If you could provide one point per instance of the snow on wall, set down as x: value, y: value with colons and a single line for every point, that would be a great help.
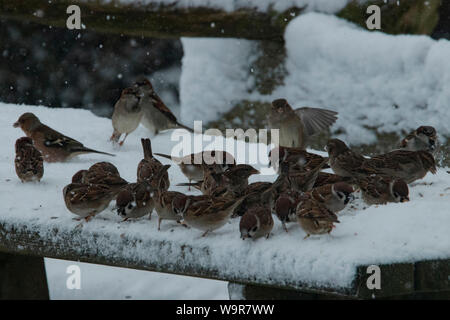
x: 393, y: 233
x: 372, y: 79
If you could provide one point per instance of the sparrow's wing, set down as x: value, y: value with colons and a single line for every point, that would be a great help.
x: 315, y: 119
x: 158, y: 104
x: 55, y: 139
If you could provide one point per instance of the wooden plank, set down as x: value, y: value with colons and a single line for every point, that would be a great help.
x: 159, y: 21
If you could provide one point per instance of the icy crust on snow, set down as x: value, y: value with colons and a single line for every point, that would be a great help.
x: 327, y: 6
x: 392, y: 83
x: 411, y: 231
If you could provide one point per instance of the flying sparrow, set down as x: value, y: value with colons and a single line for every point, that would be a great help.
x: 407, y: 165
x: 297, y: 158
x: 149, y: 167
x: 256, y: 222
x: 333, y: 196
x: 192, y: 165
x: 343, y: 161
x: 87, y: 200
x: 127, y: 115
x: 315, y: 218
x: 377, y: 189
x: 135, y: 200
x: 53, y: 145
x: 296, y: 126
x: 423, y: 138
x: 156, y: 116
x: 210, y: 213
x: 28, y: 162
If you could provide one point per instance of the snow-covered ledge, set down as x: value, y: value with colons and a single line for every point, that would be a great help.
x: 409, y: 241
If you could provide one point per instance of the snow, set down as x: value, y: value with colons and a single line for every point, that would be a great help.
x: 393, y: 233
x: 374, y: 80
x: 326, y: 6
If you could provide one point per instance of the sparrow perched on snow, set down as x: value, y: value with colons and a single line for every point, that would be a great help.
x: 381, y: 189
x: 101, y: 173
x: 135, y: 200
x: 333, y: 196
x: 407, y: 165
x: 156, y: 116
x: 170, y: 205
x: 28, y: 162
x: 343, y: 161
x: 127, y: 114
x: 53, y: 145
x: 255, y: 223
x: 298, y: 180
x: 87, y: 200
x: 297, y: 158
x: 192, y: 165
x: 210, y: 213
x: 296, y: 126
x: 256, y: 194
x: 423, y: 138
x: 325, y: 178
x: 286, y: 205
x: 315, y: 218
x: 149, y: 167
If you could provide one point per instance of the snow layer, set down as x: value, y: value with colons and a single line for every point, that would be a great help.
x: 393, y: 233
x: 327, y: 6
x: 392, y: 83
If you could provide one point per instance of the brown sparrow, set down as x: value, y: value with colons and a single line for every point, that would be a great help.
x: 315, y: 218
x: 210, y: 213
x: 407, y: 165
x: 297, y: 125
x: 286, y: 205
x: 53, y: 145
x: 28, y: 162
x: 333, y: 196
x: 101, y: 173
x: 343, y: 161
x: 135, y: 200
x: 298, y: 180
x: 149, y: 167
x: 297, y: 158
x: 192, y: 165
x: 236, y: 178
x: 170, y: 205
x: 325, y: 178
x: 87, y: 200
x: 423, y: 138
x: 127, y: 115
x: 377, y: 189
x: 256, y: 194
x: 256, y: 222
x: 156, y: 116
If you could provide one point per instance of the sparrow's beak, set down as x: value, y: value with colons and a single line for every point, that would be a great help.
x: 255, y: 172
x: 16, y: 124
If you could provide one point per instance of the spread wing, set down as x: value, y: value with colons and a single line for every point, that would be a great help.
x: 315, y: 119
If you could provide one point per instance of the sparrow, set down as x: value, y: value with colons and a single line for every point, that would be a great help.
x: 28, y: 162
x: 87, y: 200
x: 298, y: 180
x: 256, y: 194
x: 401, y: 164
x: 424, y: 138
x: 149, y: 167
x: 209, y: 213
x: 127, y: 115
x: 325, y: 178
x: 255, y: 223
x: 343, y: 161
x: 54, y: 145
x: 101, y: 173
x: 286, y: 205
x: 333, y: 196
x: 170, y: 205
x: 192, y: 165
x: 297, y: 158
x: 135, y: 201
x: 156, y: 116
x: 296, y: 126
x: 377, y: 189
x: 315, y: 218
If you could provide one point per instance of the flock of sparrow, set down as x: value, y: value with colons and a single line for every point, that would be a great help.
x: 302, y: 192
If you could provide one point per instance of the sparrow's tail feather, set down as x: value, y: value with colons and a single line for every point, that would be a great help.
x: 147, y: 147
x: 87, y: 150
x: 184, y: 127
x: 164, y: 155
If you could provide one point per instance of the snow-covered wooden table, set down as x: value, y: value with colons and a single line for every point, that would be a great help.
x: 410, y: 242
